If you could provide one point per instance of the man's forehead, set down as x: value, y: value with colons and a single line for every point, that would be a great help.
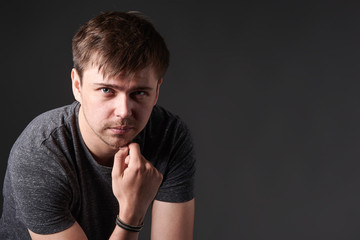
x: 113, y: 70
x: 108, y: 71
x: 144, y: 76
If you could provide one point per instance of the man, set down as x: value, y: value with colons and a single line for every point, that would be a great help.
x: 90, y: 170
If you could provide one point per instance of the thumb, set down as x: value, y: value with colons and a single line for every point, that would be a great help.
x: 119, y: 161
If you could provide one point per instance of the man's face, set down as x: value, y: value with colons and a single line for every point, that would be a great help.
x: 114, y: 110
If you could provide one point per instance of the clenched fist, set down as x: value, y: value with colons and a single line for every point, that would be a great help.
x: 135, y: 182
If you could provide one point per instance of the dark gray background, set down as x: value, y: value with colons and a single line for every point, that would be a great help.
x: 269, y: 89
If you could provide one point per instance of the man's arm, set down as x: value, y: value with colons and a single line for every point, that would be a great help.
x: 173, y: 221
x: 75, y: 232
x: 135, y: 183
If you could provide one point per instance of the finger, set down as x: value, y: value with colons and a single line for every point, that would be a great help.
x: 119, y: 160
x: 134, y: 154
x: 127, y: 159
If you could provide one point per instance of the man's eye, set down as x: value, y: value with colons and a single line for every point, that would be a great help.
x: 105, y: 90
x: 139, y: 93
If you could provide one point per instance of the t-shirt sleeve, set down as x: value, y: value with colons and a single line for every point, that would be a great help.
x: 178, y: 183
x: 42, y: 195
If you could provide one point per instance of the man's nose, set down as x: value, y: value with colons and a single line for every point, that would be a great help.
x: 123, y: 107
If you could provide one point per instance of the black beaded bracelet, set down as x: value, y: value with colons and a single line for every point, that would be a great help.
x: 128, y: 227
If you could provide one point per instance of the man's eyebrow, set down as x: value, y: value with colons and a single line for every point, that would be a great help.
x: 137, y: 88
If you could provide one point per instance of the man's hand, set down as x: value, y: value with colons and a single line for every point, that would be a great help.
x: 135, y: 182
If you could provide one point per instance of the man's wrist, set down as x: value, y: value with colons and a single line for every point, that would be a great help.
x: 130, y: 218
x: 128, y: 227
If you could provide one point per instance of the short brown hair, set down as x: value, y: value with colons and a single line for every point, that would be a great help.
x: 119, y: 42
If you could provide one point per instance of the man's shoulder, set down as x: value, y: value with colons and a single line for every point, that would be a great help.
x: 45, y: 124
x: 161, y: 114
x: 56, y: 116
x: 164, y: 127
x: 165, y: 121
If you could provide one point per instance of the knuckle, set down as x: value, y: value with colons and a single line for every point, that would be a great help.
x: 138, y: 168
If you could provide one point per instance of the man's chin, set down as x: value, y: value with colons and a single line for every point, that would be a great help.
x: 119, y: 143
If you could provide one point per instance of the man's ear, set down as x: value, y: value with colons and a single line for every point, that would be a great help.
x: 158, y: 90
x: 76, y: 84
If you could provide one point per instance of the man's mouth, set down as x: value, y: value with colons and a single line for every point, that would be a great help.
x: 120, y: 129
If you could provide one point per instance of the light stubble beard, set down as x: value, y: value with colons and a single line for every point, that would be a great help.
x: 107, y: 126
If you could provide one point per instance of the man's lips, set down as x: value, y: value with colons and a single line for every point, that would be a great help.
x: 120, y: 129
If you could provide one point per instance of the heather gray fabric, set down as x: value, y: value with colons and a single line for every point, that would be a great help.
x: 52, y: 180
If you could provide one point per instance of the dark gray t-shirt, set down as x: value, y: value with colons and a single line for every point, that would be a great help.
x: 52, y: 180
